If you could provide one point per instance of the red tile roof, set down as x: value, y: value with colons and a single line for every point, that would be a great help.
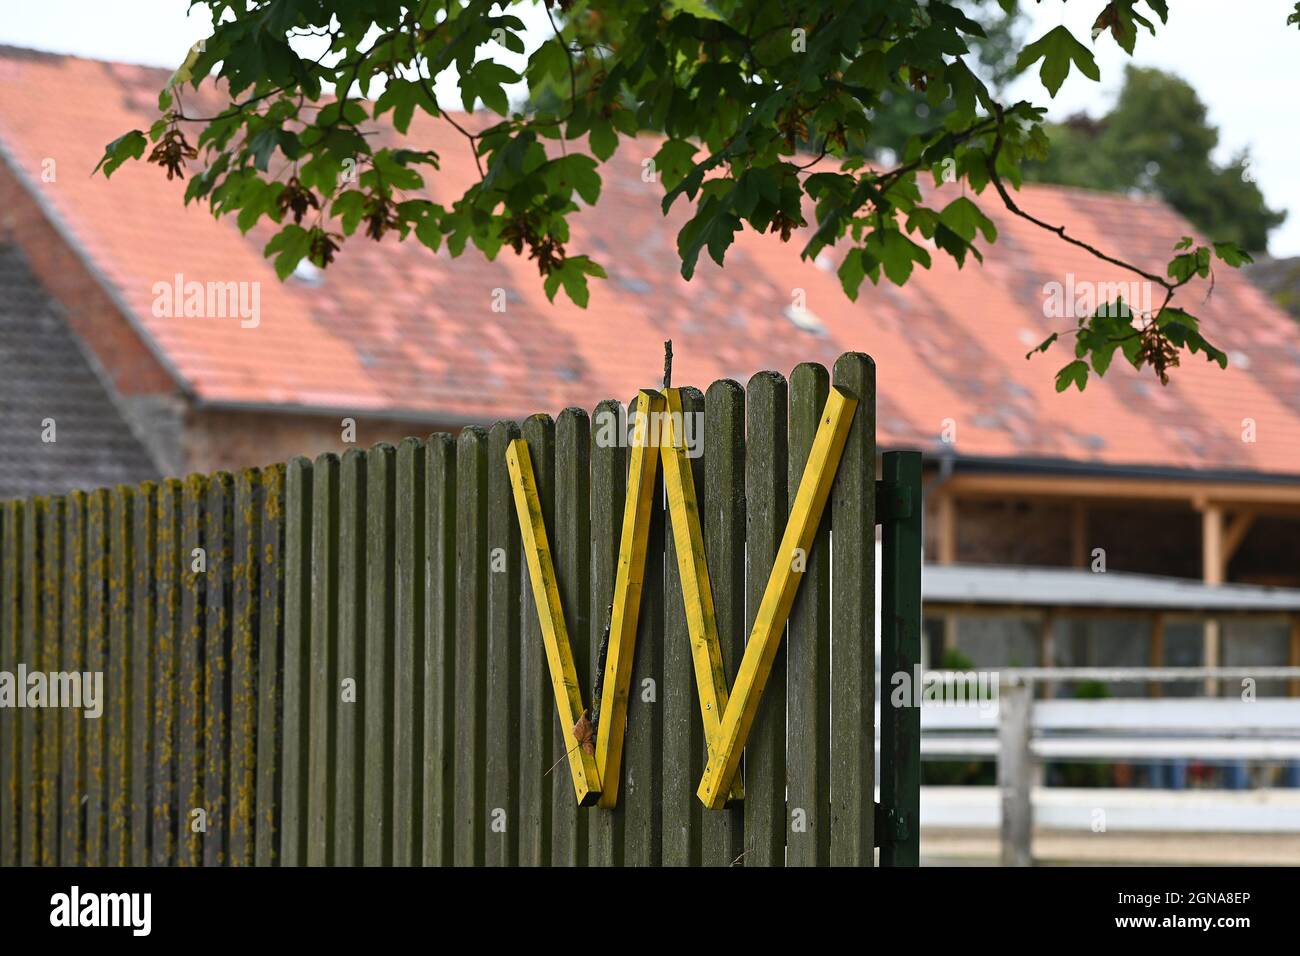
x: 397, y: 329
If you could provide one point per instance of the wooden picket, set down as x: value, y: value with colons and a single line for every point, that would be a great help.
x: 11, y: 560
x: 190, y: 810
x: 608, y: 489
x: 296, y: 745
x: 536, y: 706
x: 50, y: 718
x: 377, y: 693
x: 215, y: 733
x: 683, y: 739
x: 322, y: 689
x: 408, y: 657
x: 808, y: 651
x: 766, y: 442
x: 853, y: 609
x: 118, y: 675
x: 72, y: 772
x: 30, y: 752
x: 439, y: 660
x: 242, y: 674
x: 722, y: 831
x: 469, y: 815
x: 161, y: 727
x: 349, y: 729
x: 571, y: 542
x: 147, y: 640
x: 501, y: 700
x: 340, y: 662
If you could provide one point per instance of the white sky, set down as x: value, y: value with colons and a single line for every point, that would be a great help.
x: 1241, y: 57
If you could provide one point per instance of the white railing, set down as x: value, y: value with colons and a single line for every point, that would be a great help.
x: 1020, y: 732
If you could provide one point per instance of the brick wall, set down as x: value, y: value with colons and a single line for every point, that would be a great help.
x: 218, y: 439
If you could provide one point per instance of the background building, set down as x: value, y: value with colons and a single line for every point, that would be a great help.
x: 1197, y: 480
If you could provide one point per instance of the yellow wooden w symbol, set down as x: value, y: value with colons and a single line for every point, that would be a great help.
x: 727, y: 718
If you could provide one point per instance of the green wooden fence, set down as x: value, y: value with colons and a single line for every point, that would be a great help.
x: 355, y: 674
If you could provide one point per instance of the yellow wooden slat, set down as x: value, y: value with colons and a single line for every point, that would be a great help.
x: 693, y: 569
x: 628, y: 582
x: 555, y: 636
x: 778, y: 597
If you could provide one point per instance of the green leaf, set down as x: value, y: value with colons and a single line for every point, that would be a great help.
x: 964, y: 218
x: 1195, y: 263
x: 348, y: 208
x: 1161, y: 7
x: 1044, y: 345
x: 603, y: 140
x: 549, y: 61
x: 896, y: 253
x: 851, y: 273
x: 1232, y: 254
x: 349, y: 111
x: 574, y: 172
x: 485, y: 82
x: 1057, y: 49
x: 290, y: 245
x: 127, y: 146
x: 1102, y: 353
x: 714, y: 226
x: 673, y: 161
x: 1183, y: 330
x: 262, y: 145
x: 1076, y: 373
x: 572, y: 275
x: 400, y: 96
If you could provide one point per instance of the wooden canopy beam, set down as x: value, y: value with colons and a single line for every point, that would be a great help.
x: 1257, y: 496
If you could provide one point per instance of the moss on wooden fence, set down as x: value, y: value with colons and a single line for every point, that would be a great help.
x: 339, y: 662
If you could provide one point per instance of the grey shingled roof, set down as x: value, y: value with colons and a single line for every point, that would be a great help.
x: 1000, y: 586
x: 1280, y: 278
x: 44, y: 374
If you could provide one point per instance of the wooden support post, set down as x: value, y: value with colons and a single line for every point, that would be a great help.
x: 1015, y: 777
x: 1212, y: 572
x: 1079, y: 536
x: 947, y: 531
x: 947, y: 535
x: 1156, y: 653
x: 1047, y: 649
x: 1294, y: 657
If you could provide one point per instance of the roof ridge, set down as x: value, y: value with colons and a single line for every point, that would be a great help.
x: 14, y: 52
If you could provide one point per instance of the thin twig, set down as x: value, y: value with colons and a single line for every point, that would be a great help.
x: 562, y: 759
x: 1060, y: 230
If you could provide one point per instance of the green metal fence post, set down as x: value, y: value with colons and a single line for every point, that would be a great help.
x: 898, y: 504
